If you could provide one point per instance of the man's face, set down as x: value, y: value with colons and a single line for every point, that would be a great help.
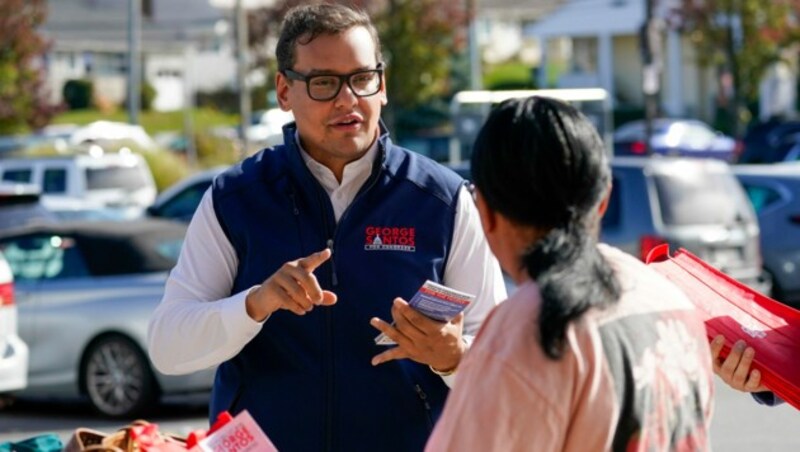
x: 340, y: 130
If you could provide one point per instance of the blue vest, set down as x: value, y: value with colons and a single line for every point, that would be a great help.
x: 307, y: 380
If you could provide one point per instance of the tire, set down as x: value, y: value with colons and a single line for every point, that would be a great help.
x: 117, y: 378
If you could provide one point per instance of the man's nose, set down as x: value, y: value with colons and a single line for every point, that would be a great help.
x: 346, y: 96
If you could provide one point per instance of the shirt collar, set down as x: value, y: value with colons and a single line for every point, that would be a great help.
x: 357, y: 170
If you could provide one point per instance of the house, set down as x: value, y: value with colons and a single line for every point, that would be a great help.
x: 185, y: 45
x: 596, y: 43
x: 501, y: 25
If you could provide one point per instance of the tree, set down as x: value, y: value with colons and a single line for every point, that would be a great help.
x: 741, y: 38
x: 23, y: 96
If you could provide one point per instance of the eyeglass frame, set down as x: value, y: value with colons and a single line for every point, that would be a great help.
x: 343, y: 79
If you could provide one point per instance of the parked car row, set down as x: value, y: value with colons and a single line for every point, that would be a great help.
x: 696, y: 204
x: 84, y: 292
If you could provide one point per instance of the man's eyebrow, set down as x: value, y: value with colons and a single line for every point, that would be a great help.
x: 332, y: 72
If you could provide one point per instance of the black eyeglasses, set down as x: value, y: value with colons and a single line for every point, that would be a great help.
x: 324, y: 87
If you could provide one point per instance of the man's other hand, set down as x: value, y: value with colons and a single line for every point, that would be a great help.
x: 422, y: 339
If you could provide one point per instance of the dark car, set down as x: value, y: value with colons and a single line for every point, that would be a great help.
x: 771, y: 141
x: 696, y: 204
x: 179, y: 201
x: 85, y: 292
x: 675, y: 137
x: 774, y: 191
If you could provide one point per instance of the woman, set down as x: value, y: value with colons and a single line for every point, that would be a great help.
x: 594, y: 351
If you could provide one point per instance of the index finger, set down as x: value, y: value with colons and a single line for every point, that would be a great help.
x: 310, y: 263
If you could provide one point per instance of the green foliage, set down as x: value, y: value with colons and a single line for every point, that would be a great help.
x: 214, y: 150
x: 167, y: 167
x: 152, y: 121
x: 766, y: 28
x: 148, y: 94
x: 23, y: 95
x: 509, y: 75
x: 78, y: 94
x: 419, y: 40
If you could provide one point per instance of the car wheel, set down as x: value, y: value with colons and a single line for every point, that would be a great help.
x: 117, y: 377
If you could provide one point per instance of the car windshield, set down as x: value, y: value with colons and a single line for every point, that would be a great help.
x: 115, y: 177
x: 691, y: 198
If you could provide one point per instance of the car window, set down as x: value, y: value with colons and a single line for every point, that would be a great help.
x: 54, y: 180
x: 700, y: 198
x: 43, y: 257
x: 760, y: 197
x: 184, y: 204
x: 18, y: 175
x: 115, y: 177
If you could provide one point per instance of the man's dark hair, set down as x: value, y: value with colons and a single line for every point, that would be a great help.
x: 540, y: 163
x: 305, y: 23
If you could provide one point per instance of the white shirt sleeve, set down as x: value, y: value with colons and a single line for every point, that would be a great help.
x: 472, y: 268
x: 198, y: 324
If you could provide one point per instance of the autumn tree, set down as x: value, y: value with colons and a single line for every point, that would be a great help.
x: 741, y: 38
x: 23, y: 97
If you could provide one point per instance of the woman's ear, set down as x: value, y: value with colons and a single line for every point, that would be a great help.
x: 601, y: 209
x: 488, y: 216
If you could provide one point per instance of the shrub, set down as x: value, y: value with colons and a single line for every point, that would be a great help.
x: 78, y: 93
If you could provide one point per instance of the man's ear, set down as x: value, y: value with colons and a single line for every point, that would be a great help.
x: 282, y: 91
x: 384, y: 97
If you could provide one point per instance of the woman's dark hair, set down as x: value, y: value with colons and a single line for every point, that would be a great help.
x: 540, y: 163
x: 305, y: 23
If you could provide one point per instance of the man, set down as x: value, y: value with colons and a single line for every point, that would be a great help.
x: 296, y: 251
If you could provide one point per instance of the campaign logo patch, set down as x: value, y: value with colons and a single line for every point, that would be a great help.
x: 390, y: 238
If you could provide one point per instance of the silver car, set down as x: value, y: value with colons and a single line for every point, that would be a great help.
x: 13, y: 351
x: 695, y: 204
x: 85, y: 292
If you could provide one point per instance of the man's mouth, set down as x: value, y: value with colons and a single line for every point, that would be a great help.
x: 349, y: 122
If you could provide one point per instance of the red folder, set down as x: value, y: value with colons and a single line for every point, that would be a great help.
x: 730, y: 308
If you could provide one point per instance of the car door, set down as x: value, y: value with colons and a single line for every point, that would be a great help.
x: 49, y: 271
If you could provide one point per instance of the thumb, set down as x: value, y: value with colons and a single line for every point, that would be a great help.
x: 458, y: 319
x: 310, y: 263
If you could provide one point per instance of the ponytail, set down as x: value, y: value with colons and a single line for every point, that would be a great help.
x: 572, y: 277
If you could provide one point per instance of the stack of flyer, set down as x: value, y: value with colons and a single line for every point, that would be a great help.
x: 435, y: 301
x: 734, y: 310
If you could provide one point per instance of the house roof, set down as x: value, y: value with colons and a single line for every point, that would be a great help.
x: 103, y: 24
x: 590, y: 18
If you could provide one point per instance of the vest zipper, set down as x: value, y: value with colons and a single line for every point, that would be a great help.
x: 424, y: 397
x: 334, y: 278
x: 295, y: 210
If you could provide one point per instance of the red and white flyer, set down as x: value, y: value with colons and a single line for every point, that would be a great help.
x: 241, y: 434
x: 435, y: 301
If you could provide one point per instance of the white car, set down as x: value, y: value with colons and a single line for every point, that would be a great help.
x: 13, y: 352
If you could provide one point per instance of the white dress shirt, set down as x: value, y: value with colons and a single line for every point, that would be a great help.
x: 198, y: 324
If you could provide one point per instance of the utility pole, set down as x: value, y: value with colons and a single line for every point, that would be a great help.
x: 241, y: 75
x: 652, y: 62
x: 134, y: 59
x: 475, y: 73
